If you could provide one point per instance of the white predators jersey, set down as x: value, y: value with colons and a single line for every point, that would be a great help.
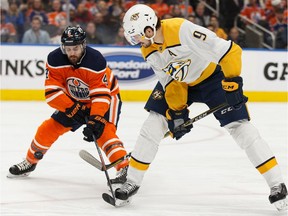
x: 189, y: 54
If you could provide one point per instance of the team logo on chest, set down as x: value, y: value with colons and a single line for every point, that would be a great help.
x: 77, y: 88
x: 178, y: 69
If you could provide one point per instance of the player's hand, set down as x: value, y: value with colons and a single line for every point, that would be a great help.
x: 95, y: 126
x: 78, y: 112
x: 177, y: 118
x: 234, y: 93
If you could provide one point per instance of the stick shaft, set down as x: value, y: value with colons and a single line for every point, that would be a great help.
x: 200, y: 116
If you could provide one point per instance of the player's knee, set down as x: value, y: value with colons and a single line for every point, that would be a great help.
x: 154, y: 128
x: 151, y: 133
x: 50, y: 130
x: 243, y: 132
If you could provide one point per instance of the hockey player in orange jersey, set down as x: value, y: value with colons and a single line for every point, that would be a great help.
x: 78, y: 85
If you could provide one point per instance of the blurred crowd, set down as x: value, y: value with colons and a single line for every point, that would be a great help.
x: 43, y: 21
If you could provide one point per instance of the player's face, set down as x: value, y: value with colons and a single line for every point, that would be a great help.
x: 74, y: 53
x: 146, y: 41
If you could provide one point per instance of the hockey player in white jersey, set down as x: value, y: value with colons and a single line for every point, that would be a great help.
x: 192, y: 65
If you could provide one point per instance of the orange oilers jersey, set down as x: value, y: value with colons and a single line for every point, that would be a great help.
x: 90, y: 82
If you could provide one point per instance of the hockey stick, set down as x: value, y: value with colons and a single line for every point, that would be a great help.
x: 97, y: 164
x: 198, y: 117
x: 103, y: 164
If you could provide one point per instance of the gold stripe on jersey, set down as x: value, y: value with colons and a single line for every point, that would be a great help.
x: 267, y: 165
x: 231, y: 63
x: 138, y: 165
x: 176, y: 94
x: 209, y: 70
x: 171, y: 35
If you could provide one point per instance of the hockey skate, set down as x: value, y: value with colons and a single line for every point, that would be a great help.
x: 22, y: 169
x: 278, y: 197
x: 120, y: 178
x: 126, y: 191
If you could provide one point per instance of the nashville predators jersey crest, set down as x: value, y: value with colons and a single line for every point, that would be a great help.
x: 178, y: 70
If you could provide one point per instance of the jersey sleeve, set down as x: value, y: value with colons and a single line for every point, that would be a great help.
x: 203, y: 41
x: 225, y: 53
x: 231, y: 63
x: 100, y: 91
x: 55, y: 92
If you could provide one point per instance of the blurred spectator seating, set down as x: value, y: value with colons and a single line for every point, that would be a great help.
x: 82, y: 15
x: 254, y: 37
x: 200, y: 17
x: 55, y: 35
x: 15, y: 15
x: 237, y: 37
x: 120, y: 38
x: 218, y: 30
x: 7, y: 29
x: 37, y: 9
x: 92, y: 36
x: 160, y: 7
x: 182, y: 7
x: 57, y: 14
x: 253, y: 11
x: 229, y: 10
x: 35, y: 35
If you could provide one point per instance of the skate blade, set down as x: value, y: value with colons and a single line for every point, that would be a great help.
x: 121, y: 203
x: 11, y: 176
x: 281, y: 205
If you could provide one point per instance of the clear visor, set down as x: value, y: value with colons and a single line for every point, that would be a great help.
x: 135, y: 39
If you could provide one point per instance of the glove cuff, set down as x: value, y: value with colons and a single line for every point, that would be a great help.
x: 98, y: 118
x: 232, y: 84
x: 177, y: 114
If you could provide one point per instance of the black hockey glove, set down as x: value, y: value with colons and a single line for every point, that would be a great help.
x: 95, y: 125
x: 234, y: 93
x: 78, y: 112
x: 177, y: 118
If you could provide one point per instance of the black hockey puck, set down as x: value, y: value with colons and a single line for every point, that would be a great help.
x: 38, y: 155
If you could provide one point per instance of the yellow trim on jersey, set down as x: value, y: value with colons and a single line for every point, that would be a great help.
x: 267, y: 166
x: 171, y: 37
x: 138, y: 165
x: 231, y: 63
x: 209, y: 70
x: 176, y: 94
x: 171, y: 31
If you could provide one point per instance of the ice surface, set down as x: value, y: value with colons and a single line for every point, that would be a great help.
x: 203, y: 174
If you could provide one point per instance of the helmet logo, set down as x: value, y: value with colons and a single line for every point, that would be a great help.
x: 80, y: 29
x: 134, y: 17
x: 69, y: 34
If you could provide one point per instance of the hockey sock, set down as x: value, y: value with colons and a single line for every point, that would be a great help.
x: 47, y: 133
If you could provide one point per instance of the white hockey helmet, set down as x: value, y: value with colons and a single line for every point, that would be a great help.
x: 136, y: 19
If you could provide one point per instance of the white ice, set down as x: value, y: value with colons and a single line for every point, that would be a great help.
x: 203, y: 174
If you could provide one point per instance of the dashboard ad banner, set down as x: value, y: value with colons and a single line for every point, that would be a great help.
x: 23, y: 67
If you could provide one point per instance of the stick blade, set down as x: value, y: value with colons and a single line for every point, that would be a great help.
x: 109, y: 199
x: 115, y: 202
x: 86, y: 156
